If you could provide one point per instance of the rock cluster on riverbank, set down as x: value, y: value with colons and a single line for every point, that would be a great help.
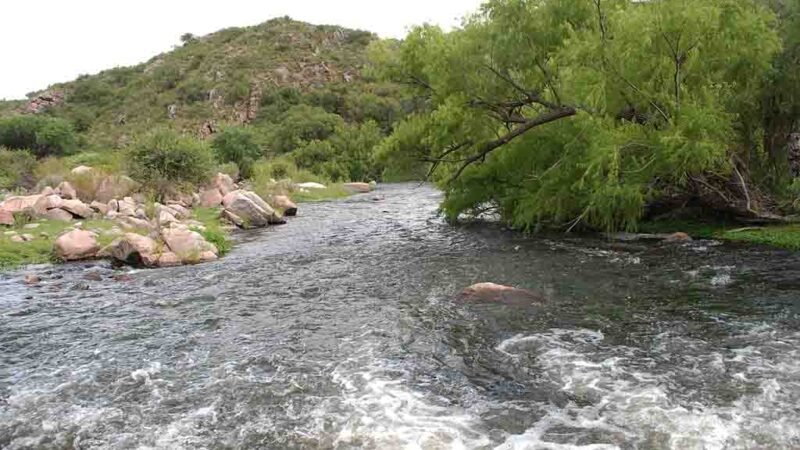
x: 141, y: 233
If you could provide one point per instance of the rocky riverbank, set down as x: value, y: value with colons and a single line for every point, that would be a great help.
x: 57, y: 224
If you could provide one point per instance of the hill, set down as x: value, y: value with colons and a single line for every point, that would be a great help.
x: 249, y: 75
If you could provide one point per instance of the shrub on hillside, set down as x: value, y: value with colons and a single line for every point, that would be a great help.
x: 165, y: 161
x: 16, y: 169
x: 302, y: 124
x: 43, y: 136
x: 237, y: 145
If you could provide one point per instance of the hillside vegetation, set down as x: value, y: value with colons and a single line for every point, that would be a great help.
x: 567, y: 114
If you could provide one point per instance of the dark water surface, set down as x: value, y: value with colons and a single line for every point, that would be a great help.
x: 338, y: 331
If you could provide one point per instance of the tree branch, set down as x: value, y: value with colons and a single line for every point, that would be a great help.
x: 485, y: 149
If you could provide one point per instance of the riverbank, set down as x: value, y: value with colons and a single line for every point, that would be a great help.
x: 32, y: 239
x: 779, y: 236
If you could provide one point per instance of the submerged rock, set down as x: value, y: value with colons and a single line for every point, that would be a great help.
x: 6, y: 217
x: 497, y: 293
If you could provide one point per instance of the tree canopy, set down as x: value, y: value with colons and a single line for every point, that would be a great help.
x: 568, y: 112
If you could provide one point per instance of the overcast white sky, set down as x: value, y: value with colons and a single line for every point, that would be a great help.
x: 48, y: 41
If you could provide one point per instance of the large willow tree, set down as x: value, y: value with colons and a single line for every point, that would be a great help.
x: 568, y: 112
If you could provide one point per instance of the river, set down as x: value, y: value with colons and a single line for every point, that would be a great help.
x: 338, y: 330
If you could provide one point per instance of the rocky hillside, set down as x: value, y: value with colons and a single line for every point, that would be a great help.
x: 234, y: 76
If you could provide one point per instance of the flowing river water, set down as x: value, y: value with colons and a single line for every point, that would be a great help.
x: 339, y: 330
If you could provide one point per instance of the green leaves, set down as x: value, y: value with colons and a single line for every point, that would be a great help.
x: 663, y: 89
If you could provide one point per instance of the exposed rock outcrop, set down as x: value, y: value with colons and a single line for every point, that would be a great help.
x: 44, y: 101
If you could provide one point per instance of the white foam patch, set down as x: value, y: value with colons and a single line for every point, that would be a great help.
x: 383, y: 412
x: 621, y: 399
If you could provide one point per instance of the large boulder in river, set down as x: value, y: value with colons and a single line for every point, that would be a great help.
x: 497, y: 293
x: 358, y: 187
x: 76, y: 245
x: 251, y: 209
x: 284, y: 204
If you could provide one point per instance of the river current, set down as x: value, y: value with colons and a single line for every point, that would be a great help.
x: 338, y: 331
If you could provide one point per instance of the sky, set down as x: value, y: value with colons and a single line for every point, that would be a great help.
x: 48, y: 41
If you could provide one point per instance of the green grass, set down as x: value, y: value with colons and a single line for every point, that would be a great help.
x: 40, y: 249
x: 780, y: 236
x: 213, y: 233
x: 783, y: 236
x: 331, y: 192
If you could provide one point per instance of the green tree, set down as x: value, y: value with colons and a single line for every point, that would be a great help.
x: 568, y: 112
x: 237, y: 145
x: 43, y: 136
x: 166, y: 161
x: 302, y: 124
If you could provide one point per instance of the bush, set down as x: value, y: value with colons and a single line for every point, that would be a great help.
x: 165, y: 161
x: 43, y: 136
x: 237, y: 145
x: 16, y: 169
x: 302, y: 124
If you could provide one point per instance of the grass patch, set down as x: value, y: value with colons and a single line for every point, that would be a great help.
x: 331, y: 192
x: 213, y: 233
x: 40, y: 249
x: 781, y: 236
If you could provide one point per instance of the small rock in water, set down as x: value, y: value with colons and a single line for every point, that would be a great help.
x: 497, y: 293
x: 678, y: 237
x: 121, y: 277
x: 93, y: 276
x: 31, y: 278
x: 80, y: 286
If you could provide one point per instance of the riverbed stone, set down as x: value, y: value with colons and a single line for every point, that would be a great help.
x: 285, y: 204
x: 224, y: 183
x: 134, y: 249
x: 250, y: 209
x: 76, y: 245
x: 48, y: 202
x: 358, y: 187
x: 188, y: 245
x: 99, y: 207
x: 497, y: 293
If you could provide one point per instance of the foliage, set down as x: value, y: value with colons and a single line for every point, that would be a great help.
x: 164, y: 159
x: 16, y: 169
x: 213, y: 232
x: 301, y: 124
x: 237, y: 145
x: 43, y: 136
x: 574, y: 112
